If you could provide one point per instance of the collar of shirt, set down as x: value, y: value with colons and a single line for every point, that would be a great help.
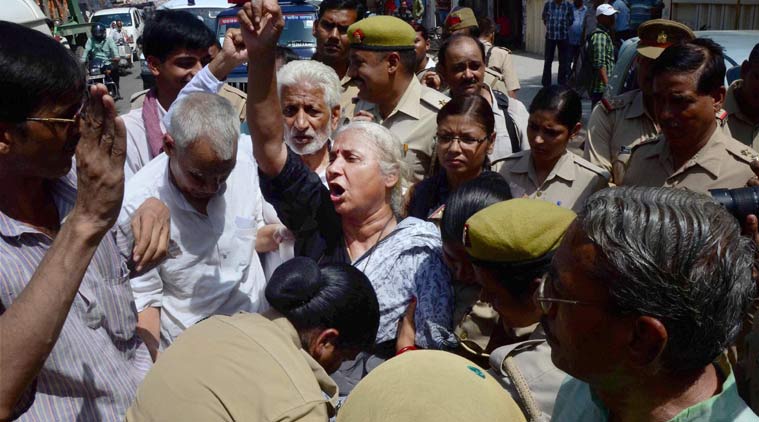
x: 563, y: 169
x: 637, y: 107
x: 707, y: 157
x: 63, y: 192
x: 326, y: 383
x: 409, y: 104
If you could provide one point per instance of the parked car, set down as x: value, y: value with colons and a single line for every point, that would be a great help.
x: 737, y: 45
x: 130, y: 17
x: 205, y: 10
x: 297, y: 35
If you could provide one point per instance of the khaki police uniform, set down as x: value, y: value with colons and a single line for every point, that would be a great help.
x: 526, y: 371
x: 414, y: 121
x: 619, y: 122
x: 348, y: 96
x: 739, y: 126
x: 568, y: 185
x: 722, y: 163
x: 240, y: 367
x: 234, y: 95
x: 495, y: 81
x: 500, y: 60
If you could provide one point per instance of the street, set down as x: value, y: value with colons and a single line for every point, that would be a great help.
x: 130, y: 84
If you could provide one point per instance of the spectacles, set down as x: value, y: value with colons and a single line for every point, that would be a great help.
x: 466, y: 140
x: 75, y: 118
x: 546, y: 302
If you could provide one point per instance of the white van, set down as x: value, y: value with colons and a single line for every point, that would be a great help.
x: 24, y: 12
x: 132, y: 20
x: 205, y: 10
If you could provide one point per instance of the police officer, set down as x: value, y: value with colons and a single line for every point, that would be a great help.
x: 548, y: 171
x: 692, y: 152
x: 500, y: 73
x: 511, y: 260
x: 618, y: 123
x: 382, y: 63
x: 742, y: 102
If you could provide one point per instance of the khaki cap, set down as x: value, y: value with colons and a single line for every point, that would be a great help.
x: 658, y: 34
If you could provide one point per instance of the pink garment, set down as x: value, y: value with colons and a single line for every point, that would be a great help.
x: 153, y: 131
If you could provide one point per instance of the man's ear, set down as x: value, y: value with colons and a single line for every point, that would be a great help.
x: 393, y: 62
x: 6, y: 137
x: 313, y: 27
x: 154, y: 64
x: 169, y: 146
x: 334, y: 118
x: 718, y: 95
x: 647, y: 342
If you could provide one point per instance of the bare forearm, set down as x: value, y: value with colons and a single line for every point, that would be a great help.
x: 149, y: 329
x: 604, y: 76
x: 264, y: 115
x: 32, y: 323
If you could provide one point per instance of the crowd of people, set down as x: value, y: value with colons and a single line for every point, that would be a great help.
x: 287, y: 253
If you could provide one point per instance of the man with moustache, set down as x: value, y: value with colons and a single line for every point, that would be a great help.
x: 382, y: 64
x: 461, y: 63
x: 692, y: 152
x: 618, y: 123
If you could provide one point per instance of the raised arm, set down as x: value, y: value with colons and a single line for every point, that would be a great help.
x: 30, y: 326
x: 261, y: 23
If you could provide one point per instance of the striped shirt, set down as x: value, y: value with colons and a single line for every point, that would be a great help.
x: 94, y: 369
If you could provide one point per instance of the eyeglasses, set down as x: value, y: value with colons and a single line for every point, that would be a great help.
x: 546, y: 302
x: 75, y: 118
x: 466, y: 140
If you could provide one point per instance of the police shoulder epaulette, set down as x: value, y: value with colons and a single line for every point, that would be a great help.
x: 511, y: 157
x: 591, y: 167
x: 433, y: 98
x: 494, y: 73
x: 613, y: 103
x: 644, y: 143
x: 234, y: 91
x: 741, y: 151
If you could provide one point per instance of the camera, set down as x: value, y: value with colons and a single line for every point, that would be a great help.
x: 739, y: 202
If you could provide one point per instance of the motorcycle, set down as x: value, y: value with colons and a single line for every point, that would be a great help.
x: 125, y: 55
x: 99, y: 72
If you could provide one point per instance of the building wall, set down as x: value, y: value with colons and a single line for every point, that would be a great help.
x: 534, y: 30
x: 714, y: 14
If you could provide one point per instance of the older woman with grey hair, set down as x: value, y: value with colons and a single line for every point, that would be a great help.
x: 355, y: 218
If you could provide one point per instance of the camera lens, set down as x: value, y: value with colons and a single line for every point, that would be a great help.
x: 739, y: 202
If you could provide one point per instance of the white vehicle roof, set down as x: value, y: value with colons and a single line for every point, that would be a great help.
x: 113, y: 11
x: 24, y: 12
x: 183, y: 4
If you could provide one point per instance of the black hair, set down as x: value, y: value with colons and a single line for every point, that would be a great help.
x: 421, y: 29
x: 35, y: 70
x: 479, y: 193
x: 517, y: 277
x: 453, y: 39
x: 473, y: 106
x: 335, y: 296
x: 563, y: 101
x: 171, y: 30
x: 406, y: 57
x: 753, y: 58
x: 357, y: 5
x: 486, y: 25
x: 701, y: 55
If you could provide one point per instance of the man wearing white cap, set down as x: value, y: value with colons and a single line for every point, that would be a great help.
x: 601, y: 51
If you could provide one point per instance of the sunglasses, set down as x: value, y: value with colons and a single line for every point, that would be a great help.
x: 74, y: 119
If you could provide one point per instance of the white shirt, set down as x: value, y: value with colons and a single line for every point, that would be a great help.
x: 218, y: 270
x: 138, y: 151
x: 520, y: 115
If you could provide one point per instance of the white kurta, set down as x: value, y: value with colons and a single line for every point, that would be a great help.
x: 217, y: 270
